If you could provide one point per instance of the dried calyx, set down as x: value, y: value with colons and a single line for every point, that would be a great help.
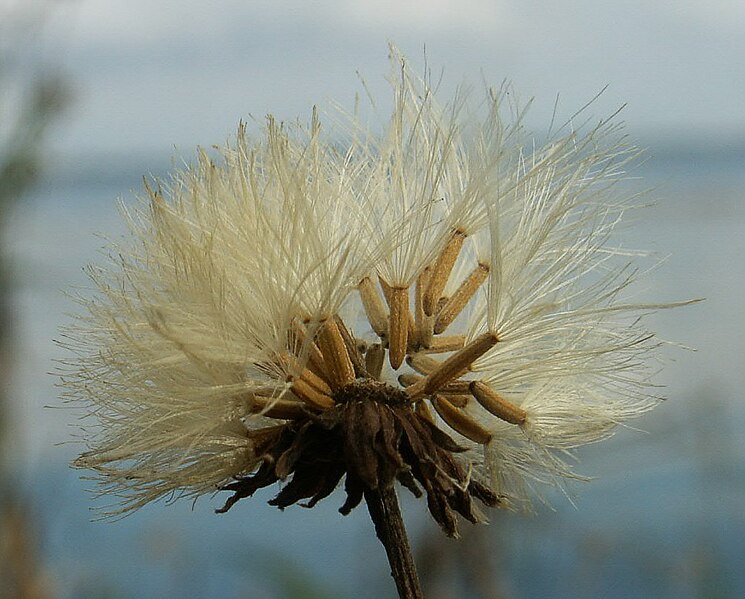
x: 373, y: 436
x: 341, y: 421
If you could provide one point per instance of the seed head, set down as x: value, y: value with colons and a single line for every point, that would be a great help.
x: 442, y: 304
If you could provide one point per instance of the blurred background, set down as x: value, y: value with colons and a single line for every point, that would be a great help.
x: 95, y: 94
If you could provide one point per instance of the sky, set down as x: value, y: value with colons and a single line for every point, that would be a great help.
x: 147, y: 76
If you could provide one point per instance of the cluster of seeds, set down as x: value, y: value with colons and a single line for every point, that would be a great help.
x: 443, y: 304
x: 343, y: 418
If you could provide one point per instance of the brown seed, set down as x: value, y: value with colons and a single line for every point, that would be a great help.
x: 496, y: 404
x: 299, y: 342
x: 443, y: 344
x: 311, y: 396
x: 423, y: 410
x: 398, y: 326
x: 408, y: 379
x: 338, y: 363
x: 423, y: 324
x: 353, y: 348
x: 375, y: 310
x: 281, y: 409
x: 454, y: 306
x: 315, y: 381
x: 294, y: 369
x: 422, y: 363
x: 459, y: 421
x: 459, y: 401
x: 456, y: 365
x: 374, y: 359
x: 441, y: 270
x: 458, y: 387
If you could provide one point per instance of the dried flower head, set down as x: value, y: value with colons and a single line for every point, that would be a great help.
x: 440, y: 304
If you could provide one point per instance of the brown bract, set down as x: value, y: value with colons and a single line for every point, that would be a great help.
x: 373, y: 437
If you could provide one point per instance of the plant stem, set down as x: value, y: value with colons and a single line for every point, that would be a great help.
x: 382, y: 504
